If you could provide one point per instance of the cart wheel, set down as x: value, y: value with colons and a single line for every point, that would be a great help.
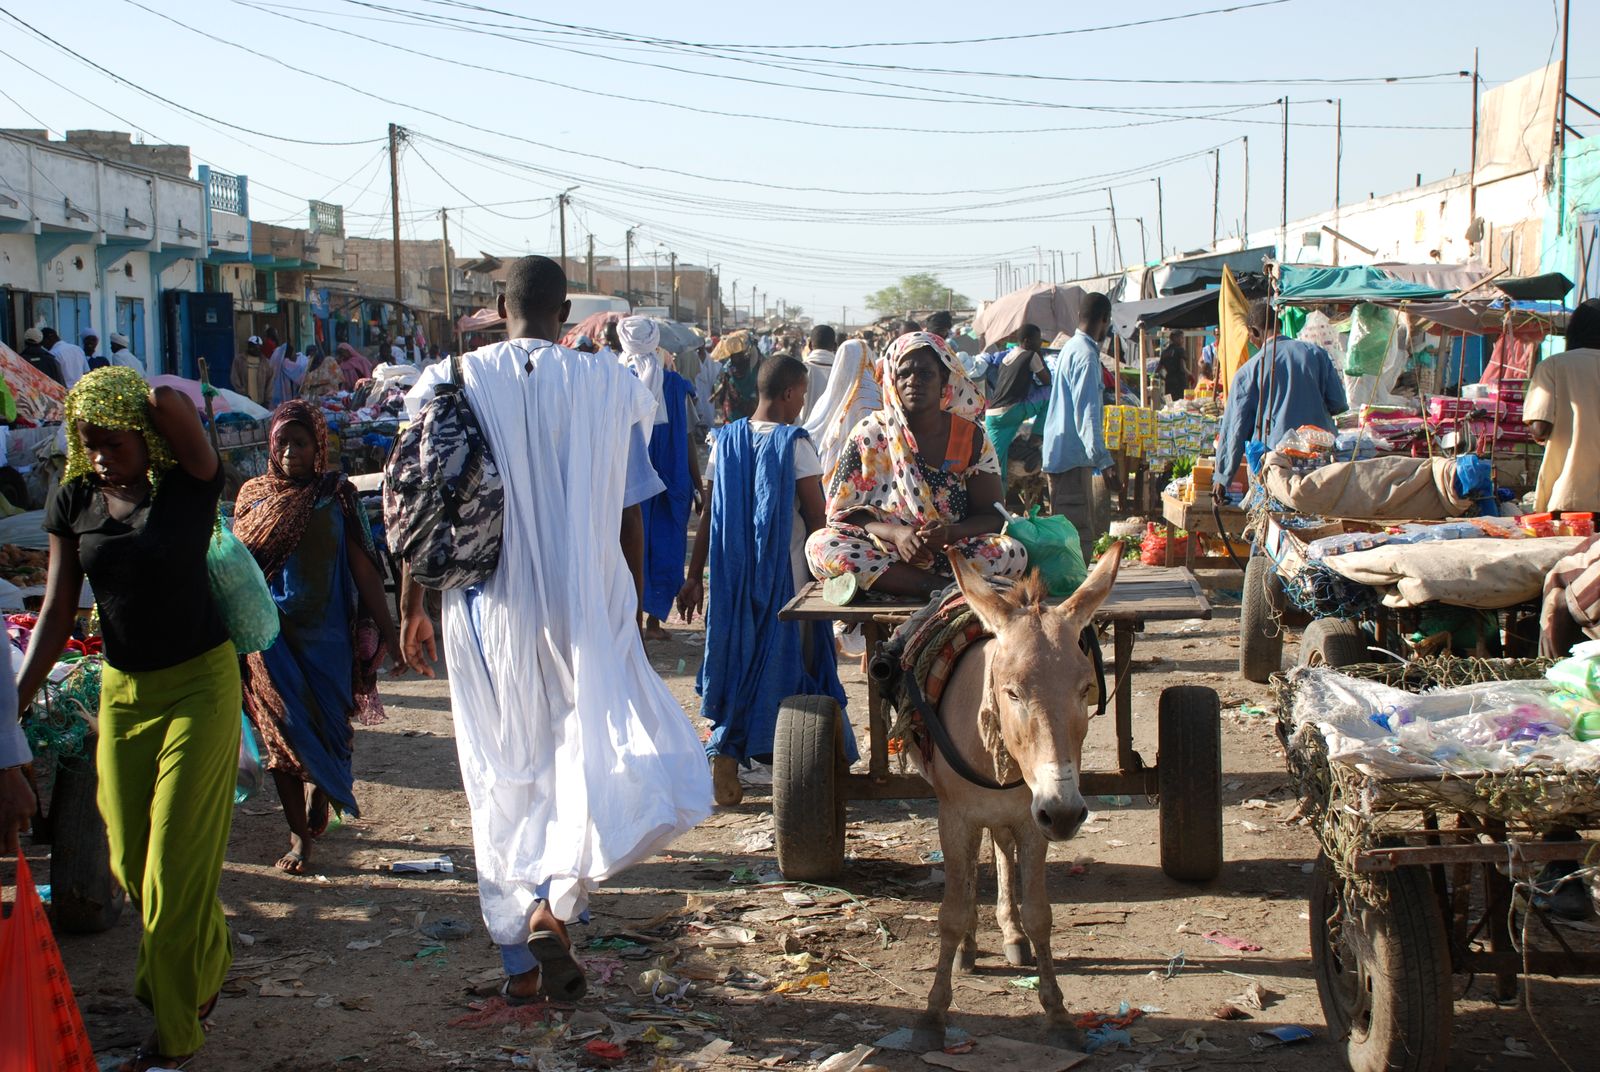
x: 1260, y: 632
x: 1334, y: 642
x: 84, y: 898
x: 1383, y: 973
x: 1189, y: 775
x: 807, y: 804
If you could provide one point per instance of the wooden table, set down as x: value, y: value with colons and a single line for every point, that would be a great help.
x: 1197, y: 517
x: 1140, y: 595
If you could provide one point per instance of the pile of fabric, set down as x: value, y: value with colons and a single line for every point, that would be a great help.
x: 40, y: 400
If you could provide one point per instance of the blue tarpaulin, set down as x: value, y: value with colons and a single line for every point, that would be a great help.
x: 1300, y: 283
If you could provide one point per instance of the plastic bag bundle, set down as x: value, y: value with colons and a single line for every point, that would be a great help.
x: 1371, y: 327
x: 43, y: 1030
x: 241, y: 592
x: 1053, y: 550
x: 252, y: 775
x: 1153, y: 548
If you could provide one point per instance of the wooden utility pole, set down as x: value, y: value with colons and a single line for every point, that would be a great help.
x: 1561, y: 124
x: 1144, y: 243
x: 1094, y: 239
x: 449, y: 300
x: 591, y: 264
x: 1338, y: 166
x: 628, y: 253
x: 1116, y: 235
x: 1283, y: 225
x: 561, y: 205
x: 1244, y: 224
x: 1216, y: 192
x: 672, y: 282
x: 1472, y: 169
x: 1161, y: 224
x: 395, y: 134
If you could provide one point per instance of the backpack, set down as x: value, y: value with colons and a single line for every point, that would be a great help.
x: 443, y: 501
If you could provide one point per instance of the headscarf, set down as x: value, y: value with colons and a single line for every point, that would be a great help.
x: 892, y: 486
x: 640, y: 337
x: 353, y: 364
x: 116, y: 398
x: 852, y: 392
x: 272, y: 510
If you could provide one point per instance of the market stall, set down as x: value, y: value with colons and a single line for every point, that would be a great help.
x: 1439, y: 791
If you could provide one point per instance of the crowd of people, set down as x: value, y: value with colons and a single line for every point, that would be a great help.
x: 871, y: 462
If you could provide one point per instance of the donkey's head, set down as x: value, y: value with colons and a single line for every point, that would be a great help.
x: 1042, y: 684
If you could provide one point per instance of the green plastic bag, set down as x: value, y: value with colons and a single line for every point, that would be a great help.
x: 240, y: 592
x: 1053, y: 550
x: 1371, y: 330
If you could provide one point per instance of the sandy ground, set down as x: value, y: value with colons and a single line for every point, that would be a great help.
x: 337, y: 970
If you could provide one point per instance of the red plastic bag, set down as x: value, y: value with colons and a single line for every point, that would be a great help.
x: 43, y: 1029
x: 1153, y: 548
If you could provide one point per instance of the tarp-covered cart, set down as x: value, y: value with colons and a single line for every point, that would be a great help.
x: 1439, y: 814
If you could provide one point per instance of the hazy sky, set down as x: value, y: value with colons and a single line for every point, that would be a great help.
x: 815, y: 173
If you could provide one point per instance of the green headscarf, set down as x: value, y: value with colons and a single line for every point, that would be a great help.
x: 116, y: 398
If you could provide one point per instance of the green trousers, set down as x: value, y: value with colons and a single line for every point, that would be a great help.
x: 1003, y: 428
x: 168, y: 758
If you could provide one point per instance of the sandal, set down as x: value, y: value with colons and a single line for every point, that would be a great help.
x: 560, y: 976
x: 538, y: 997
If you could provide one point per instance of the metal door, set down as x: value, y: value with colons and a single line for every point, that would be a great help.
x: 130, y: 322
x: 72, y: 309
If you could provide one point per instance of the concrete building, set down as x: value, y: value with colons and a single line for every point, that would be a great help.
x: 93, y: 230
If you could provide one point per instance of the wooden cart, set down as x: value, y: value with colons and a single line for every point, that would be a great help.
x: 812, y: 784
x: 1431, y: 894
x: 1197, y: 518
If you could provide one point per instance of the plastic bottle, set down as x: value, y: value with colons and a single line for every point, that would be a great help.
x: 1586, y: 727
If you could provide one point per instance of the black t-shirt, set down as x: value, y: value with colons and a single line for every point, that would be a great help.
x: 148, y: 572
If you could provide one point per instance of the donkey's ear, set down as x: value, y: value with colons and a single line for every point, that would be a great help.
x: 992, y: 608
x: 1094, y: 590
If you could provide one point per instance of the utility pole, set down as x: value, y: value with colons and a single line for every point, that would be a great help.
x: 1144, y: 245
x: 1244, y: 224
x: 1216, y: 192
x: 1283, y: 226
x: 1472, y: 170
x: 1338, y: 166
x: 1094, y: 239
x: 1116, y: 235
x: 1561, y: 124
x: 591, y: 263
x: 672, y: 282
x: 561, y: 203
x: 735, y: 293
x: 395, y: 135
x: 627, y: 242
x: 1161, y: 224
x: 1074, y: 263
x: 449, y: 301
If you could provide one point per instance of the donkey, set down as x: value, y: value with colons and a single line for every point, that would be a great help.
x: 1016, y: 705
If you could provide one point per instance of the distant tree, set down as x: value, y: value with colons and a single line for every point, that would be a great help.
x: 920, y: 291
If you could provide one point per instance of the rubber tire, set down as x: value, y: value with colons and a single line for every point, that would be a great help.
x: 1334, y: 642
x: 1260, y: 631
x: 1189, y: 776
x: 807, y: 802
x: 1408, y: 986
x: 84, y: 898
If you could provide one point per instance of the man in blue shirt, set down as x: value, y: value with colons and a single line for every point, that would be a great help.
x: 1074, y: 430
x: 1287, y: 384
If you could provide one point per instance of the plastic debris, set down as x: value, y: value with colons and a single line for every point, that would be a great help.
x: 1228, y: 941
x: 1515, y: 1047
x: 815, y: 981
x: 1118, y: 801
x: 1255, y: 996
x: 1287, y: 1035
x: 847, y: 1062
x: 1106, y: 1038
x: 1226, y: 1011
x: 447, y: 930
x: 1026, y: 982
x: 440, y: 863
x: 902, y: 1038
x: 1194, y: 1041
x: 994, y: 1053
x: 606, y: 1051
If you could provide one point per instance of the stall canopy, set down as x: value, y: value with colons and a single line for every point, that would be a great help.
x: 1051, y: 307
x: 1198, y: 273
x: 1197, y: 310
x: 1301, y: 283
x: 485, y: 319
x: 1552, y: 286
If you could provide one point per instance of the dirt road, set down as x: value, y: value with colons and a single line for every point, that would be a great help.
x: 348, y: 967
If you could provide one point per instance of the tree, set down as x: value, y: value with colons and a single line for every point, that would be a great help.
x: 920, y: 291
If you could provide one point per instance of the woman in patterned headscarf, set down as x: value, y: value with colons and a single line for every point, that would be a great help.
x: 135, y: 513
x: 916, y: 479
x: 311, y: 538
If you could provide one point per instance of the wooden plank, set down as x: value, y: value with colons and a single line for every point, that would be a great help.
x: 1387, y: 859
x: 1197, y: 517
x: 1143, y: 594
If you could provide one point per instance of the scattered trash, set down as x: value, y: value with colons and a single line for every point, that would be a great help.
x: 724, y: 937
x: 440, y: 863
x: 1026, y: 982
x: 1515, y: 1047
x: 606, y: 1051
x: 755, y: 841
x: 1255, y: 996
x: 994, y: 1053
x: 1252, y: 828
x: 799, y: 899
x: 1106, y: 1038
x: 901, y: 1038
x: 933, y: 856
x: 749, y: 875
x: 362, y: 944
x: 1125, y: 1015
x: 711, y: 1051
x: 662, y: 987
x: 847, y: 1062
x: 1118, y: 801
x: 1256, y: 804
x: 1229, y: 1012
x: 1228, y: 941
x: 815, y: 981
x: 1287, y: 1035
x: 446, y: 930
x: 602, y: 970
x: 612, y: 944
x: 1194, y: 1041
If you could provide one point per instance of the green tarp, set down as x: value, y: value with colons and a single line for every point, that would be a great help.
x: 1305, y: 283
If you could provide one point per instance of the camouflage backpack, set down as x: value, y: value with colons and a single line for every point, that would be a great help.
x: 443, y: 503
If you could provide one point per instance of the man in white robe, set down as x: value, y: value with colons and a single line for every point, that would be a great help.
x: 819, y: 366
x: 577, y: 761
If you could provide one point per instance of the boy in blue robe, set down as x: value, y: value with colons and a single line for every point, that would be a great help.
x: 666, y: 517
x: 764, y: 483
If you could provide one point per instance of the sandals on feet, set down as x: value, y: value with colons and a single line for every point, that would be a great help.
x: 560, y: 977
